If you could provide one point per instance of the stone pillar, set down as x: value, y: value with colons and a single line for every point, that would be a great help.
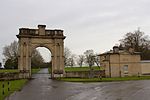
x: 62, y: 58
x: 29, y: 59
x: 54, y: 60
x: 53, y: 64
x: 23, y: 59
x: 20, y: 57
x: 58, y: 61
x: 28, y: 70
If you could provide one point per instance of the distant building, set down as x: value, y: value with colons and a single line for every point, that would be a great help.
x: 120, y: 63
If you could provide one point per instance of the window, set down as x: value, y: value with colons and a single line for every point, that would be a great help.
x: 125, y: 69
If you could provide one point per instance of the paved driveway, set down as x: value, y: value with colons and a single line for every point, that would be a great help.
x: 43, y: 88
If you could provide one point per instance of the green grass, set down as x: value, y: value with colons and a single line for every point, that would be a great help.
x: 35, y: 70
x: 15, y: 85
x: 80, y: 68
x: 49, y: 70
x: 105, y: 79
x: 8, y: 70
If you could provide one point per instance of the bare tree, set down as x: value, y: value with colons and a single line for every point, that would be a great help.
x: 10, y: 53
x: 0, y: 65
x: 97, y: 60
x: 36, y: 59
x: 80, y: 60
x: 71, y: 60
x: 89, y: 57
x: 138, y: 41
x: 67, y: 54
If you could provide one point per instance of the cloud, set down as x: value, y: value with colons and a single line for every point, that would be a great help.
x: 93, y: 24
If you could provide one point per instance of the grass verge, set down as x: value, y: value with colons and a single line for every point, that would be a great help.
x: 104, y: 79
x: 34, y: 70
x: 8, y: 70
x: 14, y: 85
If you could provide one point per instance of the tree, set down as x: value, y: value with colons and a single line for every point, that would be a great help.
x: 36, y: 59
x: 11, y: 64
x: 67, y: 54
x: 80, y: 60
x: 10, y: 53
x: 97, y: 60
x: 71, y: 60
x: 89, y: 57
x: 138, y: 41
x: 0, y: 65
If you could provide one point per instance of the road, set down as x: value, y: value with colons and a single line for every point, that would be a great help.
x: 43, y: 88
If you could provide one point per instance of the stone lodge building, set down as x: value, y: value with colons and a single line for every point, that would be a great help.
x: 145, y: 67
x: 120, y: 63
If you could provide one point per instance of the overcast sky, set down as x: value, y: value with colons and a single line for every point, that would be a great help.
x: 88, y: 24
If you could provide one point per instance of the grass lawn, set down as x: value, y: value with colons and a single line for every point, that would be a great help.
x: 35, y: 70
x: 8, y: 70
x: 105, y: 79
x: 80, y: 68
x: 14, y: 85
x: 49, y: 70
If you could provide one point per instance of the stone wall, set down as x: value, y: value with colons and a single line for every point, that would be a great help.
x: 85, y: 74
x: 145, y: 67
x: 9, y: 76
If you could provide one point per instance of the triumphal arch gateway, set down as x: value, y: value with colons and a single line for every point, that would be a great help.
x: 30, y: 39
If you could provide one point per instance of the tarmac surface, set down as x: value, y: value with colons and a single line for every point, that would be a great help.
x: 43, y: 88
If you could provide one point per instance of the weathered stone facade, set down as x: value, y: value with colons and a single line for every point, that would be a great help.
x: 85, y: 74
x: 30, y: 39
x: 120, y: 63
x: 145, y: 67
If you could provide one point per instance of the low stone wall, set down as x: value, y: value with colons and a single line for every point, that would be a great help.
x: 85, y: 74
x: 9, y: 76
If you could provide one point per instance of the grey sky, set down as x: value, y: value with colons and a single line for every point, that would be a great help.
x: 88, y: 24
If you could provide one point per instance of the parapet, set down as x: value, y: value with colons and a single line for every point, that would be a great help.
x: 41, y: 31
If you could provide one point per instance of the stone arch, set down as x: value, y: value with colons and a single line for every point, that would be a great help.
x: 30, y: 39
x: 45, y: 46
x: 42, y: 45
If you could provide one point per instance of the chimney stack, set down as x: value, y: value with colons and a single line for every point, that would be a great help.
x: 115, y: 49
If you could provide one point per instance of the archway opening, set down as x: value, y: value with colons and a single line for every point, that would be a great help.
x: 41, y: 58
